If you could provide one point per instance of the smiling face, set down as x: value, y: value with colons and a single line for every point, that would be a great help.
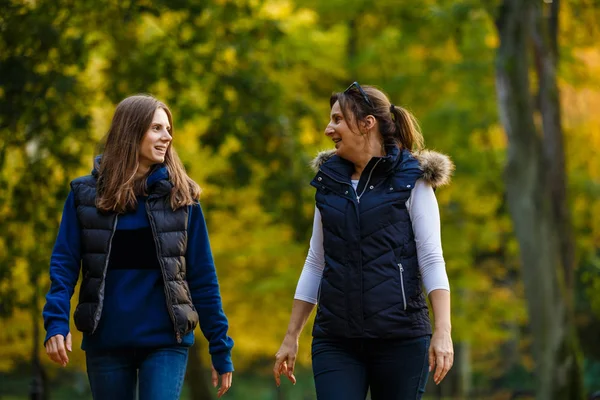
x: 156, y: 140
x: 349, y: 144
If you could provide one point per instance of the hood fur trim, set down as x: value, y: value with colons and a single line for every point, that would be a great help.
x: 437, y: 167
x: 321, y: 159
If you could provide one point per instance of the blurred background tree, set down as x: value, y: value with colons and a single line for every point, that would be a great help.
x: 248, y: 82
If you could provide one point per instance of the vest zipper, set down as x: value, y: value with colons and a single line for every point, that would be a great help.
x: 99, y: 309
x: 368, y: 180
x: 401, y: 269
x: 162, y: 269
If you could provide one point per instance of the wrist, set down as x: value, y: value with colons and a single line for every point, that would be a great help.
x: 293, y: 334
x: 443, y: 327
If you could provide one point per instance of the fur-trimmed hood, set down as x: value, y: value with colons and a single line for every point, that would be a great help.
x: 437, y: 167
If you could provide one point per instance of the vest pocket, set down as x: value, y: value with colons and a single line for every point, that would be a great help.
x: 401, y: 271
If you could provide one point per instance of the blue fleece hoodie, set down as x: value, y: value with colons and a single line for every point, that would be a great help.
x: 135, y: 312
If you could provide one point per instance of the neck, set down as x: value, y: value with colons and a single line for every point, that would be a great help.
x: 141, y: 171
x: 374, y: 149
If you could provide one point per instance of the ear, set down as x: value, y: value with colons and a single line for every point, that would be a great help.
x: 368, y: 123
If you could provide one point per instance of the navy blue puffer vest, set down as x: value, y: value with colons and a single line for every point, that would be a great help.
x: 371, y: 286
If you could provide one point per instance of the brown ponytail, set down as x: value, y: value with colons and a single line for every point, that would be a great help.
x: 408, y: 133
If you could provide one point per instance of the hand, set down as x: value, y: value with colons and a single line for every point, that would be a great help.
x: 441, y: 354
x: 226, y: 379
x: 56, y: 348
x: 285, y: 360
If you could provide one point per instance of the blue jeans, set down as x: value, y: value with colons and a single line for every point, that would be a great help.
x: 114, y: 374
x: 345, y: 369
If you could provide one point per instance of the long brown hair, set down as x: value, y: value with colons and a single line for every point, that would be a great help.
x: 117, y: 187
x: 396, y: 124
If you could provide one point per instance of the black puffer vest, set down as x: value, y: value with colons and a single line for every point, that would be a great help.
x: 169, y: 230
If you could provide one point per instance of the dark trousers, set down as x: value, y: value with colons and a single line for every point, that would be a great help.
x: 154, y: 373
x: 344, y: 369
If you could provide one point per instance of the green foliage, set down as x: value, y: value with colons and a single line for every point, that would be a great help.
x: 43, y: 126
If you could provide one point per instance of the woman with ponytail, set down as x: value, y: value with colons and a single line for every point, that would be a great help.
x: 135, y: 229
x: 376, y: 240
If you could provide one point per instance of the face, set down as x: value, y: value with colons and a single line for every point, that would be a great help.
x: 156, y: 140
x: 349, y: 145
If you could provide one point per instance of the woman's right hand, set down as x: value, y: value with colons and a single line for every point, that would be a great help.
x: 285, y: 359
x: 56, y: 348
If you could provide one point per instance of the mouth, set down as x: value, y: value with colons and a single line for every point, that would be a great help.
x: 336, y: 141
x: 161, y: 149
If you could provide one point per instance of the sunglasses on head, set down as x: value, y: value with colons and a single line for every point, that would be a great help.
x: 362, y: 92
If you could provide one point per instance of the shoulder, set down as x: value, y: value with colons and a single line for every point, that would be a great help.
x: 84, y: 190
x: 87, y: 180
x: 321, y: 158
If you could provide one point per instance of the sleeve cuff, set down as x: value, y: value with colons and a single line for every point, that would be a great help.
x: 222, y: 362
x: 54, y: 332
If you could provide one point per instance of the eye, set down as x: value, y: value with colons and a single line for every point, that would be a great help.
x: 337, y: 119
x: 156, y: 127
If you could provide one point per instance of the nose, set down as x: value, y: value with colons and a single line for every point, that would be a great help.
x: 329, y: 130
x: 166, y: 137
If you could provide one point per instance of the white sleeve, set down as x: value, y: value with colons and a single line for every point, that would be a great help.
x: 425, y: 216
x: 310, y: 278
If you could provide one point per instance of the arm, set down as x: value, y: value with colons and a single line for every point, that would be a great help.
x: 204, y: 288
x: 310, y: 279
x: 304, y: 302
x: 440, y: 302
x: 65, y: 264
x: 425, y: 217
x: 441, y: 350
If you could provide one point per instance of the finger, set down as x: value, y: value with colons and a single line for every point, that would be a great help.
x: 431, y: 359
x: 69, y: 342
x: 438, y: 369
x: 225, y: 385
x: 283, y: 369
x: 222, y: 388
x: 277, y: 371
x: 290, y: 371
x: 62, y: 352
x: 54, y: 356
x: 214, y: 377
x: 50, y: 349
x: 447, y: 366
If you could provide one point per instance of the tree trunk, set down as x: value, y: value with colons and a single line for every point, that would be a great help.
x: 38, y: 389
x: 545, y: 45
x: 532, y: 208
x: 464, y: 370
x: 197, y: 378
x: 352, y: 49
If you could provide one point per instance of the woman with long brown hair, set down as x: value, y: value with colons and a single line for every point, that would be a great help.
x: 136, y: 230
x: 376, y: 239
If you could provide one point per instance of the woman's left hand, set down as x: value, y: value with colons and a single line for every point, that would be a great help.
x: 226, y: 379
x: 441, y: 354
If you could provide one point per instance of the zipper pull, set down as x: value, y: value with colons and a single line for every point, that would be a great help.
x: 178, y: 336
x: 401, y: 267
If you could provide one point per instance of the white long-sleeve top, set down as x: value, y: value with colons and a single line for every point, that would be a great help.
x: 424, y: 213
